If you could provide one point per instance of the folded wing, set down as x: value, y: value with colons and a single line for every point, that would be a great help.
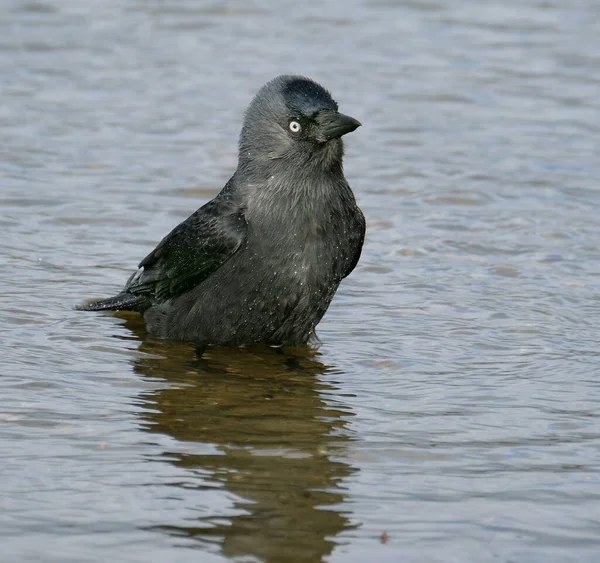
x: 188, y: 255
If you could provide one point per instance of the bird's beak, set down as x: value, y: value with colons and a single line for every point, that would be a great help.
x: 334, y: 124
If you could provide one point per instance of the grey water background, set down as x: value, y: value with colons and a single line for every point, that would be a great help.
x: 455, y: 400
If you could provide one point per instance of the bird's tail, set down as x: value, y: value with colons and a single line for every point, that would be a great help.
x: 122, y: 302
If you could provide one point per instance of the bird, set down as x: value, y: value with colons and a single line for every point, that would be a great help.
x: 261, y: 262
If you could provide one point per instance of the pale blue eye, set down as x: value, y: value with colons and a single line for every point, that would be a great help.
x: 295, y: 127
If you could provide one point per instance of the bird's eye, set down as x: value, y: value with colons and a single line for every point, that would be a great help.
x: 295, y: 127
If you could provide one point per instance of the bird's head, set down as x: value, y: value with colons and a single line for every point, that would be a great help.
x: 295, y: 120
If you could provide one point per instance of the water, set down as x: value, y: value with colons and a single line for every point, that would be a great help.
x: 454, y: 403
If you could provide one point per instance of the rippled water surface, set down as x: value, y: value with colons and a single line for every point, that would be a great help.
x: 453, y: 410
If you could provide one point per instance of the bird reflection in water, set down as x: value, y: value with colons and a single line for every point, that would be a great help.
x: 279, y: 445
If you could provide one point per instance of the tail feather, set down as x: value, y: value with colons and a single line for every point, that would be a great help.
x: 122, y: 302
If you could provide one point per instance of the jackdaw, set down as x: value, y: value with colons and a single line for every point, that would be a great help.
x: 263, y: 259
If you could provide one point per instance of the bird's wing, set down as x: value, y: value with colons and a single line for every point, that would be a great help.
x: 357, y: 237
x: 191, y: 252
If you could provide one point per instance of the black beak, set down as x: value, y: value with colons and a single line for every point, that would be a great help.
x: 334, y: 125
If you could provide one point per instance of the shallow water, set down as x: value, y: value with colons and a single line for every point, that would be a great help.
x: 454, y: 403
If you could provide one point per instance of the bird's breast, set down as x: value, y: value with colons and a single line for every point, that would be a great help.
x: 300, y: 231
